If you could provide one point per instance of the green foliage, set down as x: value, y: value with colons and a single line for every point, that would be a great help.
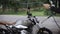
x: 18, y: 4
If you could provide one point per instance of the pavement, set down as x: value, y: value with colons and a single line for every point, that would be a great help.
x: 50, y: 23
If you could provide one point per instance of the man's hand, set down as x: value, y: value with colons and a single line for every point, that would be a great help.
x: 46, y: 6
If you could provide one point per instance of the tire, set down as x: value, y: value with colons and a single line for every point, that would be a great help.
x: 44, y: 31
x: 3, y: 31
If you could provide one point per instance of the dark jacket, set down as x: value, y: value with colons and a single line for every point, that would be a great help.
x: 55, y: 8
x: 55, y: 2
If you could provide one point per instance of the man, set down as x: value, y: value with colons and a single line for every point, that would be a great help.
x: 28, y: 12
x: 54, y: 5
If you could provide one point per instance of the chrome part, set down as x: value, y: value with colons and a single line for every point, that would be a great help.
x: 21, y: 26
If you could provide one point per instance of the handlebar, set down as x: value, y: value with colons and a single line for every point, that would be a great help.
x: 33, y: 19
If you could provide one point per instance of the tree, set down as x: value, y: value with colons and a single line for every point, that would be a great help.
x: 4, y: 4
x: 10, y: 4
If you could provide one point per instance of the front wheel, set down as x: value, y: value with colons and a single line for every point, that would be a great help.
x: 44, y: 31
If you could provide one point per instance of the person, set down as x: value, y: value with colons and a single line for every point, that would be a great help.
x: 54, y: 5
x: 28, y: 12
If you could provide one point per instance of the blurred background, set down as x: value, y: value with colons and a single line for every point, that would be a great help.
x: 19, y: 7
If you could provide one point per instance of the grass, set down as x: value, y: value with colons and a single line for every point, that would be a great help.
x: 40, y: 12
x: 21, y: 12
x: 24, y: 13
x: 37, y: 13
x: 33, y: 13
